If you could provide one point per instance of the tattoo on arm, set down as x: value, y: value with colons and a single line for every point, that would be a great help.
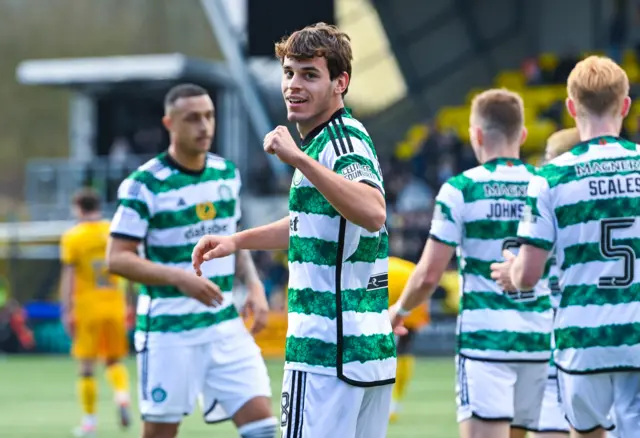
x: 245, y: 268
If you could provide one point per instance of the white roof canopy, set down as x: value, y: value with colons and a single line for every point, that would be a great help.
x: 77, y: 72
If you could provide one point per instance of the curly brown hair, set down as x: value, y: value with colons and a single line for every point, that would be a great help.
x: 319, y: 40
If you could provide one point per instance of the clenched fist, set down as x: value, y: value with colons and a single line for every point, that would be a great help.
x: 280, y: 143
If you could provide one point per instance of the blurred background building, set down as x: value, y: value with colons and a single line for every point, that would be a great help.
x: 82, y: 91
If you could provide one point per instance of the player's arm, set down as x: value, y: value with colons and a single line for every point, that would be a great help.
x: 123, y: 260
x: 425, y: 278
x: 256, y: 302
x: 67, y: 274
x: 361, y: 204
x: 445, y: 235
x: 537, y: 233
x: 66, y: 287
x: 246, y: 270
x: 273, y: 236
x: 129, y: 228
x: 528, y: 267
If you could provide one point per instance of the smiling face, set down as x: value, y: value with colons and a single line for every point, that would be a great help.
x: 309, y: 93
x: 190, y: 120
x: 316, y: 70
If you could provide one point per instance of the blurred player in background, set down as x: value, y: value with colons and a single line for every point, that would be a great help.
x: 504, y: 338
x: 340, y: 352
x: 189, y: 336
x: 553, y: 423
x: 94, y: 308
x: 584, y: 204
x: 399, y: 272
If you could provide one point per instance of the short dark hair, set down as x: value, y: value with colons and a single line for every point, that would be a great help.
x: 183, y: 90
x: 319, y: 40
x: 87, y: 199
x: 500, y: 110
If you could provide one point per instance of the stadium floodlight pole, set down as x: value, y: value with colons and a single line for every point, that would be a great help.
x: 219, y: 22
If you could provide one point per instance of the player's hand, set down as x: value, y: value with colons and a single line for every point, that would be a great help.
x: 67, y: 322
x: 211, y: 247
x: 256, y: 304
x: 397, y: 321
x: 200, y: 288
x: 280, y: 143
x: 501, y: 272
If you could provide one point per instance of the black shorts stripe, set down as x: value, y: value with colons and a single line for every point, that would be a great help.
x: 297, y: 429
x: 303, y: 398
x: 296, y: 404
x: 144, y: 374
x: 462, y: 379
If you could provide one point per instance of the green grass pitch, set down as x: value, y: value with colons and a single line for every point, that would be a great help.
x: 37, y: 399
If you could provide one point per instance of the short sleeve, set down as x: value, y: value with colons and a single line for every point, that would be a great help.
x: 67, y: 250
x: 447, y: 224
x: 537, y: 227
x: 131, y: 220
x: 351, y: 153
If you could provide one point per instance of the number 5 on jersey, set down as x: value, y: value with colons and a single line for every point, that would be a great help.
x: 612, y: 250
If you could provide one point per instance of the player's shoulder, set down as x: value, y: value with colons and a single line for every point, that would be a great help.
x: 154, y: 169
x: 216, y: 161
x: 465, y: 180
x: 75, y: 233
x: 343, y: 132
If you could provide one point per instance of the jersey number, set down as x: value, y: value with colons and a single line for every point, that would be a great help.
x: 611, y: 250
x: 285, y: 402
x: 101, y: 275
x: 511, y: 243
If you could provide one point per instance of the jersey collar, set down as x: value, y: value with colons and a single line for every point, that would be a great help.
x: 169, y: 161
x: 501, y: 161
x: 315, y: 131
x: 602, y: 140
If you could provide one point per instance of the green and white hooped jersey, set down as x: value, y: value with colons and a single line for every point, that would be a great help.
x: 586, y: 202
x: 169, y: 209
x: 478, y: 212
x: 338, y: 296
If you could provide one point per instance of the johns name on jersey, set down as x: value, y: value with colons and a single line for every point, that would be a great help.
x: 505, y: 209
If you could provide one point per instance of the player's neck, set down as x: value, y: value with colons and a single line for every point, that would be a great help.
x: 90, y: 217
x: 190, y: 162
x: 501, y: 152
x: 307, y: 126
x: 598, y: 128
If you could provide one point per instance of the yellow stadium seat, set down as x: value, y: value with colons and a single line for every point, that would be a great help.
x: 418, y: 133
x: 633, y: 71
x: 511, y: 79
x: 539, y: 98
x: 588, y: 53
x: 631, y: 121
x: 538, y: 132
x: 629, y: 57
x: 473, y: 93
x: 453, y: 118
x: 548, y: 61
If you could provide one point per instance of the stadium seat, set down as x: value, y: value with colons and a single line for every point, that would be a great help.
x: 454, y: 118
x: 548, y: 62
x: 513, y: 80
x: 472, y: 93
x: 538, y: 132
